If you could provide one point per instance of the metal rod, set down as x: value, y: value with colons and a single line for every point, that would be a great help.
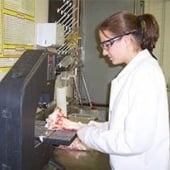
x: 78, y: 92
x: 70, y: 31
x: 87, y: 92
x: 69, y: 20
x: 65, y: 14
x: 59, y: 9
x: 66, y: 7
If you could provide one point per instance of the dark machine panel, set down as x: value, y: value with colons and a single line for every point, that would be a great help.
x: 20, y: 93
x: 54, y: 137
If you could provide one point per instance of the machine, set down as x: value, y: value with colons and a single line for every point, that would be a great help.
x: 24, y: 143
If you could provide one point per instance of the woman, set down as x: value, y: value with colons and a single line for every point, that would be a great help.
x: 136, y: 137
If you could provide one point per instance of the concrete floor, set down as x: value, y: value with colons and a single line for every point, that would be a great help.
x: 65, y: 159
x: 82, y: 160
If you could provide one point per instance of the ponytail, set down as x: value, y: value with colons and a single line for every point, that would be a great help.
x: 149, y: 30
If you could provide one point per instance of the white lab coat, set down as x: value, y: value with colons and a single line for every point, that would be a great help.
x: 136, y: 136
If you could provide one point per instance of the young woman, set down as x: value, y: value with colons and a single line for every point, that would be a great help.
x: 136, y: 135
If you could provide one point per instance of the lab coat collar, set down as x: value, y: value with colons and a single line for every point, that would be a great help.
x: 141, y: 56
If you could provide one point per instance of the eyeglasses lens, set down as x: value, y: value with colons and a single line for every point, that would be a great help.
x: 108, y: 43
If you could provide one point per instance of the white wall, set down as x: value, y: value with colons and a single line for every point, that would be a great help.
x: 41, y: 11
x: 156, y: 7
x: 161, y: 10
x: 166, y: 61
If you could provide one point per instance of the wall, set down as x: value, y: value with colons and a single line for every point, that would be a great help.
x: 15, y: 37
x: 161, y: 10
x: 41, y: 10
x: 166, y: 54
x: 156, y: 7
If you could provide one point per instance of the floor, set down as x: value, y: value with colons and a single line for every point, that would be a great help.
x: 78, y: 160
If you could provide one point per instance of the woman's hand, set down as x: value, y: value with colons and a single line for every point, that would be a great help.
x: 57, y: 120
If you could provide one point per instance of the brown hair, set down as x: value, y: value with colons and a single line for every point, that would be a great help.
x: 144, y: 27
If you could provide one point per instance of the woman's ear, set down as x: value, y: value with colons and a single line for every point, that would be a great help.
x: 127, y: 39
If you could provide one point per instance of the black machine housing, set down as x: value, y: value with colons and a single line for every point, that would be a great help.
x: 20, y: 91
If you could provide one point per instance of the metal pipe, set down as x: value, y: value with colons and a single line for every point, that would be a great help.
x: 87, y: 92
x: 59, y: 9
x: 59, y: 21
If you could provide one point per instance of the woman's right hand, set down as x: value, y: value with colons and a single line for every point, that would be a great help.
x: 57, y: 120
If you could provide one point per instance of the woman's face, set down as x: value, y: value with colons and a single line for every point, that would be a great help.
x: 114, y: 47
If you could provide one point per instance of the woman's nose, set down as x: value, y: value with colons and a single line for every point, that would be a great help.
x: 105, y: 52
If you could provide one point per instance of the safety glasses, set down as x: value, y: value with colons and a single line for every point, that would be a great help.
x: 108, y: 43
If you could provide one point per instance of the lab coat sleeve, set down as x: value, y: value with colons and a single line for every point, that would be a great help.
x: 95, y: 137
x: 102, y: 125
x: 136, y: 134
